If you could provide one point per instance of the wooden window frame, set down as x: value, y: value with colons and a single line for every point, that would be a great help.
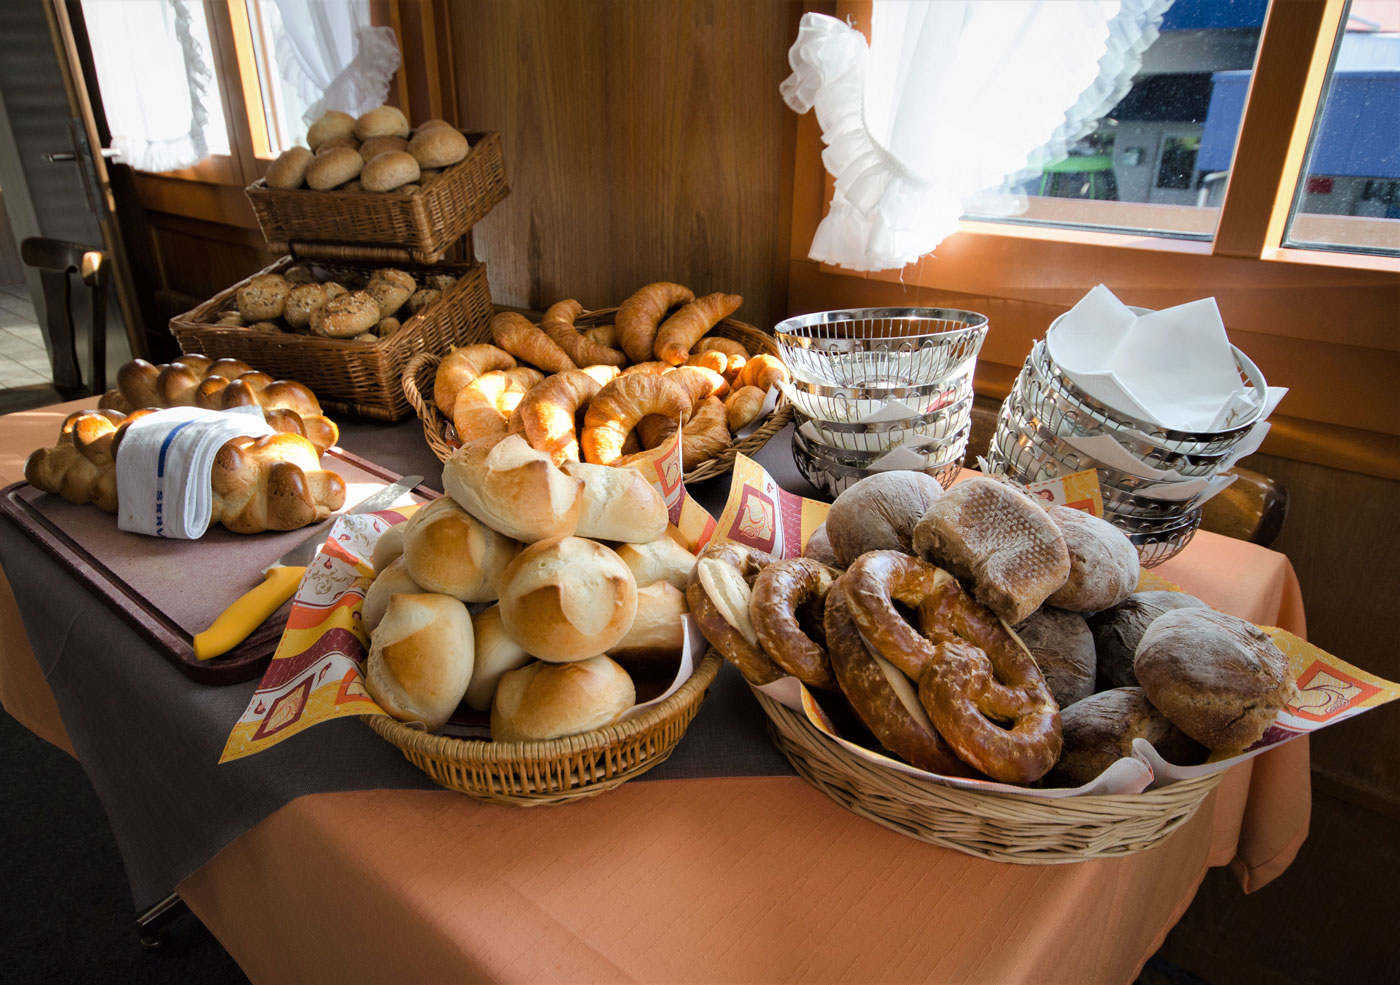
x: 1341, y: 360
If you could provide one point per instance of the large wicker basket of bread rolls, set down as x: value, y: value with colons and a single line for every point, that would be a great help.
x: 427, y: 220
x: 358, y: 376
x: 554, y: 771
x: 997, y: 826
x: 418, y: 389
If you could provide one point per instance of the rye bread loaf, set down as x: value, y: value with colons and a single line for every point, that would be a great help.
x: 1063, y: 649
x: 1117, y: 632
x: 1100, y: 730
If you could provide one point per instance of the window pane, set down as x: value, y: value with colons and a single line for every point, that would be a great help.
x: 1158, y: 161
x: 1349, y: 194
x: 282, y: 103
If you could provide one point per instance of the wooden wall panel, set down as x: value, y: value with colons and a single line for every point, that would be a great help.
x: 643, y: 141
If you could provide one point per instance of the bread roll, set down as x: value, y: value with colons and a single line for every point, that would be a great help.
x: 545, y: 701
x: 420, y: 658
x: 450, y: 551
x: 387, y: 171
x: 388, y: 547
x: 514, y: 489
x: 345, y: 316
x: 818, y: 548
x: 334, y: 143
x: 289, y: 170
x: 303, y: 301
x: 438, y: 147
x: 567, y: 599
x: 1118, y: 631
x: 388, y: 295
x: 1063, y: 649
x: 1219, y: 679
x: 496, y: 653
x: 879, y: 513
x: 393, y: 580
x: 375, y: 146
x: 1103, y: 563
x: 1100, y: 730
x: 659, y: 560
x: 997, y: 538
x: 263, y: 297
x: 333, y: 123
x: 617, y: 504
x: 657, y: 634
x: 383, y: 121
x: 334, y: 167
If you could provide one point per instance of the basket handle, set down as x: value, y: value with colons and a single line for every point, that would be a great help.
x: 343, y: 251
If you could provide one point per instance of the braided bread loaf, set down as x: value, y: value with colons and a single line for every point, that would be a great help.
x: 270, y: 483
x: 220, y: 384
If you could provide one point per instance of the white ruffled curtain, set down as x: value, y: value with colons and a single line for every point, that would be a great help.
x: 155, y: 80
x: 948, y: 101
x: 328, y: 51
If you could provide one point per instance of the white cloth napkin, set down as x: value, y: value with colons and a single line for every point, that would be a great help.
x: 163, y: 468
x: 1173, y: 367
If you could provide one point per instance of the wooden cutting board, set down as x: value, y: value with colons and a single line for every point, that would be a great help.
x: 169, y: 590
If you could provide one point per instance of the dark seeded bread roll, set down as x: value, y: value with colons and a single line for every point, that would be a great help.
x: 1063, y: 649
x: 1219, y: 679
x: 1117, y: 632
x: 1100, y: 730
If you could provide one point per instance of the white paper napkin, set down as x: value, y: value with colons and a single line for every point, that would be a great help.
x: 163, y: 468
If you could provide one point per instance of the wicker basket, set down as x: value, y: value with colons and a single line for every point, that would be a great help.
x: 426, y: 223
x: 418, y: 388
x: 555, y: 771
x: 1000, y: 827
x: 360, y: 378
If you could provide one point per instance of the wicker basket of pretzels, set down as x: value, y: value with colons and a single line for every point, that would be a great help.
x: 991, y: 668
x: 542, y: 380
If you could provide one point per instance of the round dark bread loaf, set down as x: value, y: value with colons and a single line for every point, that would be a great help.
x: 1063, y: 649
x: 1100, y: 730
x: 1117, y: 632
x: 819, y: 548
x: 1219, y: 679
x: 878, y: 513
x: 1103, y: 563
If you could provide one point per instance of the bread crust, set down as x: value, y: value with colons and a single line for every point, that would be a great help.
x: 460, y: 366
x: 1103, y: 563
x: 678, y: 333
x: 1099, y: 730
x: 879, y: 513
x: 615, y: 410
x: 639, y: 316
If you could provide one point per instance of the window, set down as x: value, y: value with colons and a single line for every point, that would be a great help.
x: 1349, y: 197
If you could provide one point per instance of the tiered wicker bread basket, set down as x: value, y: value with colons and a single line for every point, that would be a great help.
x: 1001, y: 827
x: 426, y: 222
x: 555, y: 771
x: 348, y: 376
x: 418, y: 388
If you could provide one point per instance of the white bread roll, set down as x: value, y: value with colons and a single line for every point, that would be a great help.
x: 567, y: 599
x: 393, y: 580
x: 420, y: 658
x: 545, y: 701
x: 618, y: 504
x: 388, y: 547
x: 496, y: 653
x: 659, y: 560
x: 450, y: 551
x: 514, y: 489
x: 658, y: 631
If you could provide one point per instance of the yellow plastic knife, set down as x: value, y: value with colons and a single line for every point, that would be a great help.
x: 280, y: 580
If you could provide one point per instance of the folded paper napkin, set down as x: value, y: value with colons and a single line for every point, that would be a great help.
x: 163, y: 469
x: 1173, y: 367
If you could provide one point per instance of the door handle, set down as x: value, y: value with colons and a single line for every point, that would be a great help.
x: 66, y: 156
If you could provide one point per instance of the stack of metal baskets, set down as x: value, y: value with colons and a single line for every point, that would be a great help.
x: 870, y: 382
x: 1045, y: 406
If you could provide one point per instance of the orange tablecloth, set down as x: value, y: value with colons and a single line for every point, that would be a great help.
x: 739, y: 879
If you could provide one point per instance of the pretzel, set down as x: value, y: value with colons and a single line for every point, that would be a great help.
x: 878, y: 579
x: 615, y: 410
x: 882, y: 697
x: 523, y: 339
x: 719, y: 594
x: 780, y: 592
x: 638, y: 317
x: 558, y: 324
x: 460, y: 366
x: 683, y: 329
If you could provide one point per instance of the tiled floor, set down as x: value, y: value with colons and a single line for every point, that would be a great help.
x: 23, y: 361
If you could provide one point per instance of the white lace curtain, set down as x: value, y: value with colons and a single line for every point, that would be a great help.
x: 327, y: 50
x: 154, y: 76
x: 948, y: 101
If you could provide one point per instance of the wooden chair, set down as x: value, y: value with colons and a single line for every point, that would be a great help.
x: 56, y: 260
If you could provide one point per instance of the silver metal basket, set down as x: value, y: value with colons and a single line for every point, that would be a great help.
x: 938, y: 452
x: 881, y: 347
x: 834, y: 479
x: 881, y: 436
x: 850, y: 404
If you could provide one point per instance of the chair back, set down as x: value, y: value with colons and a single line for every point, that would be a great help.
x: 56, y: 260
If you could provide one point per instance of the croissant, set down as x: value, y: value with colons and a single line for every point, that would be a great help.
x: 705, y: 435
x: 460, y: 366
x: 558, y: 324
x: 742, y: 406
x: 615, y: 410
x: 549, y: 410
x: 639, y: 316
x: 763, y: 372
x: 221, y: 384
x: 273, y: 482
x: 683, y: 329
x: 484, y: 405
x: 520, y: 337
x: 734, y: 351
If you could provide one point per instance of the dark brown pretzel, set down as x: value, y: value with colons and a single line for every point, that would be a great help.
x: 778, y: 592
x: 740, y: 566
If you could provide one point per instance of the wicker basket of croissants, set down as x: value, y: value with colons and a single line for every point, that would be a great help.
x: 606, y: 386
